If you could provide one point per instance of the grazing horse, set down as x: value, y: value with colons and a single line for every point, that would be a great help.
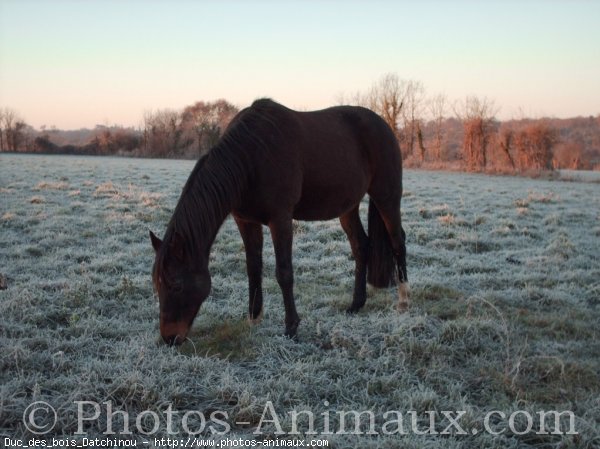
x: 271, y: 166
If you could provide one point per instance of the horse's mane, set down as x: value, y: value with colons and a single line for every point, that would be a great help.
x: 217, y: 181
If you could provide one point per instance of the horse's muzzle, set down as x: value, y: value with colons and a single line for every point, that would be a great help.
x: 173, y: 340
x: 174, y: 334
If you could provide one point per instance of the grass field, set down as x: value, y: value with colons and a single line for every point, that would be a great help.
x: 505, y: 279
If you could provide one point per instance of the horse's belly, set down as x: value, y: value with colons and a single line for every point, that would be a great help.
x: 326, y: 204
x: 316, y: 214
x: 330, y: 190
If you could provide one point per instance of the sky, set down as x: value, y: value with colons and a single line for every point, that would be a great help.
x: 74, y: 64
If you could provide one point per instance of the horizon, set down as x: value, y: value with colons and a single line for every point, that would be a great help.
x: 76, y: 65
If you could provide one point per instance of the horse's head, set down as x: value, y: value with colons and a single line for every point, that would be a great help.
x: 182, y: 286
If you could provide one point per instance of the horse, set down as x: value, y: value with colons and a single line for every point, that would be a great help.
x: 271, y: 166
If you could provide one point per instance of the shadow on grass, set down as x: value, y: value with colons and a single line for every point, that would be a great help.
x: 230, y: 339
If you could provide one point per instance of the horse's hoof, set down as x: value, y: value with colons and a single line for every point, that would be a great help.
x: 290, y: 331
x: 356, y: 305
x: 403, y: 298
x: 402, y: 307
x: 291, y: 334
x: 257, y: 320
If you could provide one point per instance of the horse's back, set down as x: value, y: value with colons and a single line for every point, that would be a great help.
x: 321, y: 163
x: 369, y: 149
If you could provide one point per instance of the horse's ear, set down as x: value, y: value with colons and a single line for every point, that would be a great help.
x: 156, y: 242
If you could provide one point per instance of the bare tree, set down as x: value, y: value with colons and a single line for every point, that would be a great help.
x: 568, y: 155
x: 412, y: 113
x: 386, y: 97
x: 204, y: 123
x: 420, y: 143
x: 477, y: 115
x: 401, y: 104
x: 437, y: 109
x: 505, y: 140
x: 17, y: 136
x: 146, y: 131
x: 11, y: 130
x: 162, y: 132
x: 356, y: 99
x: 534, y: 144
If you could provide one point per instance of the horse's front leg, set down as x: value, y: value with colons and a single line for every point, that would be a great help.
x: 252, y: 236
x: 281, y: 233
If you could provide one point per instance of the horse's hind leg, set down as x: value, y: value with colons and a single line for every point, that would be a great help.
x: 253, y: 244
x: 390, y: 213
x: 359, y: 242
x: 281, y: 233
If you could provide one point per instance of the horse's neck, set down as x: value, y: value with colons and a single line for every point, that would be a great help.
x: 215, y: 191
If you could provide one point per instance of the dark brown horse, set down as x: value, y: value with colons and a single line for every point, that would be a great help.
x: 271, y: 166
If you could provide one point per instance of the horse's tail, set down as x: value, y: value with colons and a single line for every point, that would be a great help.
x: 381, y: 266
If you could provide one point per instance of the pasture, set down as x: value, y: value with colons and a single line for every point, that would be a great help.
x: 505, y: 284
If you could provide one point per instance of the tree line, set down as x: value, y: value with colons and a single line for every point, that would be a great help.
x: 433, y: 132
x: 164, y: 133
